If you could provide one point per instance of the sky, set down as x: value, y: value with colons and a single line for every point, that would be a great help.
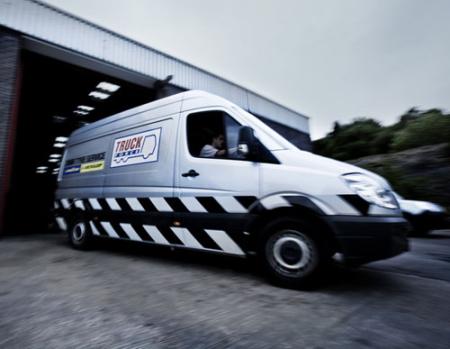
x: 332, y: 60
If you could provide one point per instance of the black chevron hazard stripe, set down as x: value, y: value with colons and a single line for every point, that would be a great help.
x: 206, y: 204
x: 203, y: 239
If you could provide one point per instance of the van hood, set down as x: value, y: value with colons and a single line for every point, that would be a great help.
x: 300, y: 158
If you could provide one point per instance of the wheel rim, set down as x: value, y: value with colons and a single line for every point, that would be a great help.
x: 79, y: 231
x: 291, y: 253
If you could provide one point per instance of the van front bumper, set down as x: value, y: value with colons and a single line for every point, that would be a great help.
x: 366, y: 239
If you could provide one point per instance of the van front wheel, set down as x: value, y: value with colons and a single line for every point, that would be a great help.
x: 80, y: 236
x: 292, y: 255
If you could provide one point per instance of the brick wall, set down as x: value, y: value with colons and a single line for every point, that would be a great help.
x: 9, y: 60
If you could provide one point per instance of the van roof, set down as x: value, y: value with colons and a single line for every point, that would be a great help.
x: 163, y: 102
x: 170, y: 106
x: 171, y: 103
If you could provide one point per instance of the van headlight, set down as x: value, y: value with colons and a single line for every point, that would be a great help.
x: 370, y: 190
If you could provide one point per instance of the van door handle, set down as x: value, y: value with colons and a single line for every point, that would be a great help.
x: 191, y: 173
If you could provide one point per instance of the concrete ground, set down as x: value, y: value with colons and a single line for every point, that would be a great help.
x: 127, y: 296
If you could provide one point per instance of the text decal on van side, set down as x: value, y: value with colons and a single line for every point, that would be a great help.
x: 136, y: 149
x: 87, y: 163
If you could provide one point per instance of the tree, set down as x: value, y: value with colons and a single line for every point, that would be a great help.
x: 431, y: 127
x: 336, y: 128
x: 349, y: 141
x: 366, y: 136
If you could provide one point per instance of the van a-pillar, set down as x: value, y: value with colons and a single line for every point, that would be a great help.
x: 9, y: 98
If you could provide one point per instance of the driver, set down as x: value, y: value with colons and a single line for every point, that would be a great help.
x: 214, y: 148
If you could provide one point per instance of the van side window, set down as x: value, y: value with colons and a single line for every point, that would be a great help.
x: 213, y: 134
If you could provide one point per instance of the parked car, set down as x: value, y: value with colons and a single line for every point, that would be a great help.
x: 196, y: 171
x: 423, y: 216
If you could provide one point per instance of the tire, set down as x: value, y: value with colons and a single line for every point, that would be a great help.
x: 293, y: 255
x: 419, y: 232
x: 80, y: 235
x: 418, y: 229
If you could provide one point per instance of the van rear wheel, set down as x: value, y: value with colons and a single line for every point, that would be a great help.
x: 80, y: 236
x: 292, y: 255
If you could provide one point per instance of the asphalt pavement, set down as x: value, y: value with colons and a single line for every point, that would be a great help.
x: 132, y: 296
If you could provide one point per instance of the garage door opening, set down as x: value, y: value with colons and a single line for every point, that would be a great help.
x: 56, y: 98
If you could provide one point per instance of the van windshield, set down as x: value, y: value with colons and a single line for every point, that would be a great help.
x: 269, y: 137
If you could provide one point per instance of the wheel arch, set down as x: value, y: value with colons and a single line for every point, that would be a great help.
x: 295, y: 212
x: 74, y: 214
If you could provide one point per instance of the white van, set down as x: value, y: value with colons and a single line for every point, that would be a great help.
x: 196, y: 171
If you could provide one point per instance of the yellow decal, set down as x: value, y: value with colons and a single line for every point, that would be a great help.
x: 92, y: 166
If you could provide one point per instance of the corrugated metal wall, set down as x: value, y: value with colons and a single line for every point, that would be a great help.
x: 47, y: 23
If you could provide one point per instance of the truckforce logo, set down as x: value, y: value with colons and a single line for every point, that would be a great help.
x: 136, y: 149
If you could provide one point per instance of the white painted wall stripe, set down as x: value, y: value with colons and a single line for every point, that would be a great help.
x: 113, y: 205
x: 79, y: 204
x: 94, y: 203
x: 109, y: 229
x: 155, y: 234
x: 274, y: 201
x: 129, y: 230
x: 135, y: 204
x: 230, y: 204
x: 192, y: 204
x: 222, y: 239
x: 93, y: 228
x: 61, y: 223
x: 161, y: 204
x: 186, y: 237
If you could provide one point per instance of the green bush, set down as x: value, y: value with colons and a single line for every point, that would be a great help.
x: 365, y: 136
x: 349, y: 141
x: 381, y: 144
x: 406, y: 186
x: 430, y: 128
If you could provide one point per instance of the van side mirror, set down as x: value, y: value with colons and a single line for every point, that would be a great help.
x: 247, y: 143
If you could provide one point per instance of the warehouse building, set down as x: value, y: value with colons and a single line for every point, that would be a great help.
x: 59, y: 72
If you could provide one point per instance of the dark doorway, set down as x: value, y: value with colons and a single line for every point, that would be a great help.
x: 52, y: 92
